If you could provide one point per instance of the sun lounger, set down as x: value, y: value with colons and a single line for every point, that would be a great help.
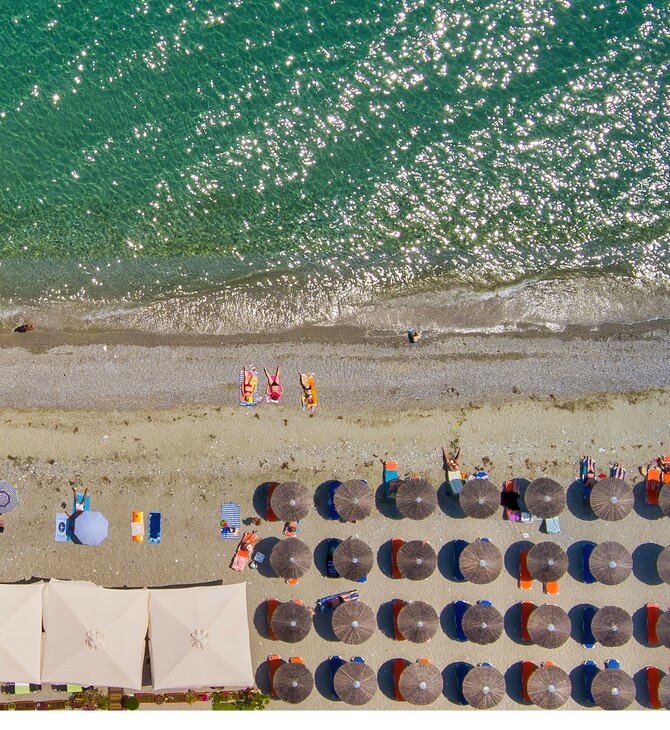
x: 274, y: 662
x: 271, y: 605
x: 358, y: 659
x: 251, y: 398
x: 295, y: 660
x: 244, y: 552
x: 612, y: 664
x: 617, y: 472
x: 483, y: 602
x: 550, y: 588
x: 653, y: 682
x: 460, y: 607
x: 590, y: 669
x: 398, y: 605
x: 653, y: 485
x: 291, y: 528
x: 331, y: 572
x: 587, y: 549
x: 398, y: 668
x: 511, y: 501
x: 396, y: 544
x: 525, y: 578
x: 230, y: 521
x: 587, y: 482
x: 333, y: 514
x: 527, y: 669
x: 588, y: 639
x: 155, y: 528
x: 458, y: 547
x: 461, y: 670
x: 653, y: 614
x: 391, y: 480
x: 527, y: 608
x: 552, y: 526
x: 137, y: 527
x: 315, y: 398
x: 456, y: 481
x: 270, y: 516
x: 334, y: 663
x: 330, y: 603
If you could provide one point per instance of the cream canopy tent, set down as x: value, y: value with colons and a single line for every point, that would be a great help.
x: 199, y: 637
x: 94, y: 635
x: 20, y: 632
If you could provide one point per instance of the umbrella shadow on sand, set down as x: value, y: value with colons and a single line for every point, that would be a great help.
x: 321, y: 557
x: 579, y: 686
x: 641, y: 689
x: 322, y: 681
x: 385, y: 619
x: 574, y: 553
x: 384, y: 506
x: 261, y: 620
x: 513, y: 684
x: 260, y: 499
x: 262, y: 677
x: 450, y: 683
x: 646, y: 511
x: 511, y: 559
x: 448, y: 502
x: 384, y: 559
x: 644, y: 563
x: 323, y: 625
x: 577, y: 505
x: 321, y: 499
x: 265, y: 546
x: 512, y: 622
x: 640, y: 628
x: 448, y: 621
x: 385, y: 679
x: 576, y: 616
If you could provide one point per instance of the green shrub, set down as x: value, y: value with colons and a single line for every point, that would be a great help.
x: 130, y: 702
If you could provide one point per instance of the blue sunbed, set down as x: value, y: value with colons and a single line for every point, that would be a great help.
x: 333, y: 484
x: 390, y: 483
x: 334, y: 663
x: 586, y: 490
x: 587, y: 549
x: 484, y: 603
x: 155, y: 533
x: 358, y: 659
x: 462, y: 669
x: 459, y: 546
x: 330, y: 565
x: 588, y: 639
x: 460, y: 607
x: 590, y: 671
x: 612, y: 664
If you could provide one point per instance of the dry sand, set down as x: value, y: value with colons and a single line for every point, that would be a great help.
x: 116, y: 417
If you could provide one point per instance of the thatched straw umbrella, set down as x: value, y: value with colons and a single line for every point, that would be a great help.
x: 664, y: 499
x: 479, y: 498
x: 416, y: 499
x: 663, y: 628
x: 611, y: 563
x: 549, y: 626
x: 549, y: 687
x: 355, y: 683
x: 480, y: 562
x: 291, y: 558
x: 483, y: 687
x: 482, y: 624
x: 545, y: 498
x: 612, y: 499
x: 664, y: 692
x: 354, y: 500
x: 417, y: 560
x: 293, y: 682
x: 353, y: 558
x: 547, y: 561
x: 613, y: 689
x: 663, y: 565
x: 418, y: 621
x: 421, y: 683
x: 291, y: 501
x: 291, y: 621
x: 353, y: 622
x: 612, y: 626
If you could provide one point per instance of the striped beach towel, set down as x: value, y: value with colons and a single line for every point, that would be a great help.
x: 230, y: 521
x: 253, y: 379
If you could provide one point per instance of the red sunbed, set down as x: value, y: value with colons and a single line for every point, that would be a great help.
x: 653, y: 682
x: 274, y: 662
x: 653, y: 485
x: 527, y: 607
x: 396, y: 544
x: 527, y: 668
x: 525, y: 578
x: 398, y: 668
x: 397, y: 606
x: 653, y: 614
x: 270, y: 516
x: 270, y: 607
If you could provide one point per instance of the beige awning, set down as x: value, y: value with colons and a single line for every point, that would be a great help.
x: 200, y: 637
x: 94, y: 635
x: 21, y: 632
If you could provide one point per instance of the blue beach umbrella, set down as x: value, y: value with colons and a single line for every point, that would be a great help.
x: 8, y: 497
x: 90, y: 528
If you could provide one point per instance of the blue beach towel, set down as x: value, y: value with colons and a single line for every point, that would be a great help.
x: 87, y: 502
x: 552, y: 526
x: 230, y: 519
x: 155, y: 533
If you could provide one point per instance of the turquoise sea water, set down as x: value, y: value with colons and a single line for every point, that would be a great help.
x: 247, y: 165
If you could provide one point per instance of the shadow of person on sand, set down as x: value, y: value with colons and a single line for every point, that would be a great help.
x: 577, y: 505
x: 645, y: 557
x: 511, y: 558
x: 646, y: 511
x: 448, y: 502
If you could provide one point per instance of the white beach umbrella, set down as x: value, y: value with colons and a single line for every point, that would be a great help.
x: 94, y: 635
x: 21, y: 632
x: 200, y: 637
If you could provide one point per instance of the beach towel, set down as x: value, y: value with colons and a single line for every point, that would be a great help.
x: 315, y: 398
x: 253, y: 399
x: 87, y: 502
x: 391, y: 481
x: 155, y: 533
x: 137, y: 527
x: 61, y: 527
x: 230, y: 521
x: 552, y: 526
x: 455, y: 479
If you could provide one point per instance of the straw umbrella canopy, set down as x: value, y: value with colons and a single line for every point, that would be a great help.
x: 664, y: 500
x: 612, y: 626
x: 291, y: 558
x: 355, y: 683
x: 418, y: 621
x: 663, y: 628
x: 545, y: 498
x: 547, y: 561
x: 663, y: 565
x: 353, y: 622
x: 549, y: 626
x: 417, y: 560
x: 611, y: 563
x: 420, y: 683
x: 664, y: 692
x: 480, y: 498
x: 353, y: 558
x: 293, y: 682
x: 354, y: 500
x: 291, y: 621
x: 482, y: 624
x: 549, y: 687
x: 480, y: 562
x: 9, y: 497
x: 291, y: 501
x: 611, y: 499
x: 483, y: 687
x: 416, y: 498
x: 613, y: 689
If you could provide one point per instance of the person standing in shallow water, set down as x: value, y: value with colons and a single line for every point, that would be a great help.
x: 25, y: 327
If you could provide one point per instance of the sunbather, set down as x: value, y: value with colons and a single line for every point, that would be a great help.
x: 79, y: 504
x: 617, y: 471
x: 247, y: 384
x: 310, y: 400
x: 664, y: 464
x: 590, y: 478
x: 274, y: 384
x: 452, y: 463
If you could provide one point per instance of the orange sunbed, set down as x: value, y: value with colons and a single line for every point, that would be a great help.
x: 527, y: 668
x: 653, y: 484
x: 525, y: 578
x: 137, y: 527
x: 270, y: 607
x: 653, y: 614
x: 653, y: 682
x: 397, y: 606
x: 312, y: 404
x: 551, y: 588
x: 274, y: 662
x: 270, y: 516
x: 396, y: 544
x: 244, y: 551
x: 295, y: 660
x: 423, y: 661
x: 293, y: 581
x: 398, y: 668
x: 527, y: 607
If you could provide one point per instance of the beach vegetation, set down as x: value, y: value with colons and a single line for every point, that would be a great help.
x: 248, y: 699
x: 130, y: 702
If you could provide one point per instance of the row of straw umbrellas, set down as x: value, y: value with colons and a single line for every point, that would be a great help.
x: 480, y: 561
x: 483, y: 687
x: 548, y: 625
x: 610, y: 499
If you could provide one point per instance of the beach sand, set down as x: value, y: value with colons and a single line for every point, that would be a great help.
x: 154, y: 426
